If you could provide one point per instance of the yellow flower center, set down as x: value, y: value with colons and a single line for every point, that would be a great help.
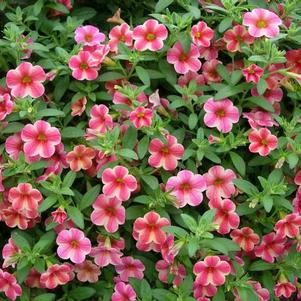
x: 26, y: 80
x: 261, y: 24
x: 150, y: 36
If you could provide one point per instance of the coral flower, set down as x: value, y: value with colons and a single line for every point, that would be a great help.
x: 83, y: 66
x: 201, y: 34
x: 253, y: 73
x: 87, y: 271
x: 56, y: 275
x: 225, y: 215
x: 184, y: 62
x: 211, y: 271
x: 100, y: 120
x: 262, y: 142
x: 262, y: 22
x: 284, y: 289
x: 120, y: 34
x: 235, y: 37
x: 25, y: 199
x: 150, y: 35
x: 141, y: 117
x: 245, y: 238
x: 89, y: 35
x: 81, y: 157
x: 130, y: 268
x: 123, y: 292
x: 288, y: 226
x: 220, y: 114
x: 293, y: 59
x: 40, y: 139
x: 219, y: 182
x: 59, y: 215
x: 187, y: 188
x: 165, y: 154
x: 118, y: 183
x: 210, y: 71
x: 26, y: 80
x: 148, y: 228
x: 73, y: 244
x: 108, y: 212
x: 6, y: 106
x: 9, y: 285
x: 79, y: 106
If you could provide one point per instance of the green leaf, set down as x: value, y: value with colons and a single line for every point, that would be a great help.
x: 143, y: 75
x: 162, y: 4
x: 47, y: 203
x: 222, y: 245
x: 212, y: 157
x: 292, y: 160
x: 223, y: 72
x: 192, y: 121
x: 111, y: 75
x: 69, y: 179
x: 207, y: 217
x: 39, y: 265
x: 12, y: 128
x: 143, y: 147
x: 145, y: 291
x: 267, y: 202
x: 177, y: 231
x: 38, y: 7
x: 261, y: 86
x: 134, y: 211
x: 151, y: 181
x: 130, y: 137
x: 49, y: 112
x: 247, y: 293
x: 245, y: 186
x: 260, y: 265
x: 225, y: 24
x: 20, y: 241
x: 238, y: 163
x: 185, y: 40
x: 128, y: 153
x: 82, y: 293
x: 84, y: 13
x: 168, y: 71
x: 261, y: 102
x: 76, y: 216
x: 45, y: 297
x: 45, y: 242
x: 189, y: 222
x: 89, y: 197
x: 230, y: 91
x: 58, y: 6
x: 61, y: 86
x: 219, y: 296
x: 193, y: 246
x: 162, y: 294
x: 72, y: 132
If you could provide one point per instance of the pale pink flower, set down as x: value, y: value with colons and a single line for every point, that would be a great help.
x: 14, y: 145
x: 6, y: 106
x: 105, y: 254
x: 78, y: 107
x: 83, y: 66
x: 108, y: 212
x: 98, y: 54
x: 141, y: 117
x: 101, y: 120
x: 219, y: 182
x: 211, y: 271
x: 258, y: 118
x: 80, y: 157
x: 253, y: 73
x: 184, y: 62
x: 130, y: 268
x: 187, y: 188
x: 9, y: 285
x: 220, y: 114
x: 201, y: 34
x: 118, y: 183
x: 89, y: 35
x: 73, y: 245
x: 40, y: 139
x: 123, y: 292
x: 26, y: 80
x: 165, y: 154
x: 120, y: 34
x: 87, y: 271
x: 262, y: 22
x: 9, y: 252
x: 150, y: 35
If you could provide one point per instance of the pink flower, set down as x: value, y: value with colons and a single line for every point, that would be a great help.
x: 219, y: 182
x: 150, y: 36
x: 253, y: 73
x: 9, y: 252
x: 56, y: 275
x: 297, y: 178
x: 40, y: 139
x: 25, y: 199
x: 6, y: 106
x: 79, y: 106
x: 26, y: 80
x: 87, y: 271
x: 33, y: 279
x: 165, y: 154
x: 288, y: 226
x: 9, y: 285
x: 262, y: 22
x: 118, y: 183
x: 130, y: 268
x: 141, y: 117
x: 123, y: 292
x: 59, y: 215
x: 271, y: 247
x: 201, y: 34
x: 199, y: 291
x: 184, y: 62
x: 73, y: 245
x: 106, y: 254
x: 262, y: 142
x: 235, y: 37
x: 210, y: 72
x: 83, y: 66
x: 258, y: 118
x: 285, y: 289
x: 89, y: 35
x: 211, y: 271
x: 14, y: 145
x: 220, y: 114
x: 245, y: 238
x: 101, y: 120
x: 148, y: 229
x: 225, y: 215
x: 120, y: 34
x: 81, y: 157
x: 108, y: 212
x: 187, y: 188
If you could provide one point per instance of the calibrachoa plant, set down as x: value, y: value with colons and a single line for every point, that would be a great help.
x: 150, y: 152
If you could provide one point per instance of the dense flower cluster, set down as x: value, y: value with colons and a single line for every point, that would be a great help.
x: 154, y: 160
